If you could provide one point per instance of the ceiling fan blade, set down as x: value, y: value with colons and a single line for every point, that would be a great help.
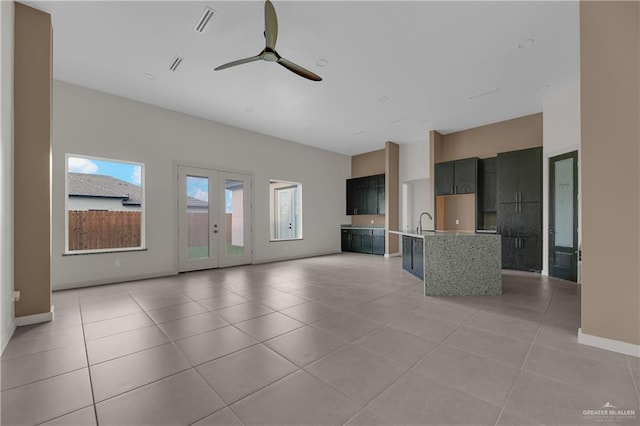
x: 270, y: 24
x: 238, y: 62
x: 303, y: 72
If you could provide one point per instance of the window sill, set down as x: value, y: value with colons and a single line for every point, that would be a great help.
x: 106, y: 251
x: 286, y: 239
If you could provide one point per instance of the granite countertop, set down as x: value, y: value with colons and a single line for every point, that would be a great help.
x: 423, y: 234
x: 362, y: 226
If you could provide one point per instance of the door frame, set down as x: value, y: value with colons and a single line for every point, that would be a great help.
x: 177, y: 164
x: 575, y: 155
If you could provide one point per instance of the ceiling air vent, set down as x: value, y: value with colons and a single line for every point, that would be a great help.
x: 204, y: 20
x: 175, y: 63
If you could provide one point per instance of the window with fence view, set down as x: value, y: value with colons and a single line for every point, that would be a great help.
x: 105, y: 204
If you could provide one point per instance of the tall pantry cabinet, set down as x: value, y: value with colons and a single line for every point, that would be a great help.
x: 519, y: 198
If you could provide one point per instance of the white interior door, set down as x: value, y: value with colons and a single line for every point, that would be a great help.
x: 214, y: 219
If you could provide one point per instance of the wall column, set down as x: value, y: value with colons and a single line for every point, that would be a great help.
x: 32, y: 164
x: 610, y: 127
x: 391, y: 198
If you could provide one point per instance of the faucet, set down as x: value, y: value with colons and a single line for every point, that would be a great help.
x: 420, y: 221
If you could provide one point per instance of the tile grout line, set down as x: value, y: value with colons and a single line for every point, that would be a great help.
x: 410, y: 369
x: 520, y: 370
x: 86, y: 352
x: 633, y: 378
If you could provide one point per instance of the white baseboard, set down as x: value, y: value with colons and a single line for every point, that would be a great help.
x: 294, y: 257
x: 608, y: 344
x: 34, y: 319
x: 92, y: 283
x: 396, y: 254
x: 7, y: 332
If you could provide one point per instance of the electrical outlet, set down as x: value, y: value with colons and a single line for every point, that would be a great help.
x: 457, y: 221
x: 117, y: 263
x: 16, y: 296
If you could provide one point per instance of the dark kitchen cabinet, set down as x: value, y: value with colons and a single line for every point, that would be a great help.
x: 366, y: 240
x: 444, y: 178
x: 378, y: 241
x: 521, y: 253
x: 357, y: 196
x: 456, y: 177
x: 365, y: 195
x: 465, y: 175
x: 370, y: 241
x: 507, y: 177
x: 487, y: 193
x: 531, y: 253
x: 418, y: 257
x: 407, y: 260
x: 519, y: 220
x: 380, y: 187
x: 520, y: 176
x: 413, y: 256
x: 345, y: 238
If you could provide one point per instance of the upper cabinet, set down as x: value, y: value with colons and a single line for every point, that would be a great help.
x: 520, y: 176
x: 444, y: 178
x: 456, y: 177
x: 487, y: 185
x: 365, y: 195
x: 487, y: 197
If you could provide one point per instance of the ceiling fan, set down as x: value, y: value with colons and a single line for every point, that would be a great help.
x: 269, y: 53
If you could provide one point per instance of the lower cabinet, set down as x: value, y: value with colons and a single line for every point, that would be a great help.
x: 370, y: 241
x: 522, y: 253
x: 413, y: 256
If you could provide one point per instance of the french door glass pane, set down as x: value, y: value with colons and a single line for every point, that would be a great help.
x: 564, y: 203
x: 234, y: 217
x: 197, y: 217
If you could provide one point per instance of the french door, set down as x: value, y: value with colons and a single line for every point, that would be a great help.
x: 214, y: 226
x: 563, y: 216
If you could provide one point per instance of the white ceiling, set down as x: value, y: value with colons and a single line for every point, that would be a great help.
x: 427, y: 58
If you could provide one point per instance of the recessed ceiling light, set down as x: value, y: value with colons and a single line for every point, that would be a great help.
x: 398, y: 120
x: 322, y: 62
x: 149, y: 76
x: 526, y: 43
x: 357, y: 132
x: 249, y: 109
x: 383, y: 98
x: 488, y: 92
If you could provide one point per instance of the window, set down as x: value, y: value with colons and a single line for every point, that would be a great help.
x: 286, y: 210
x: 104, y: 205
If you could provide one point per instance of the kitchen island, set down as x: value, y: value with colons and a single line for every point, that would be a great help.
x: 454, y: 263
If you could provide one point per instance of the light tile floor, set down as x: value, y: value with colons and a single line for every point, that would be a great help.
x: 342, y: 339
